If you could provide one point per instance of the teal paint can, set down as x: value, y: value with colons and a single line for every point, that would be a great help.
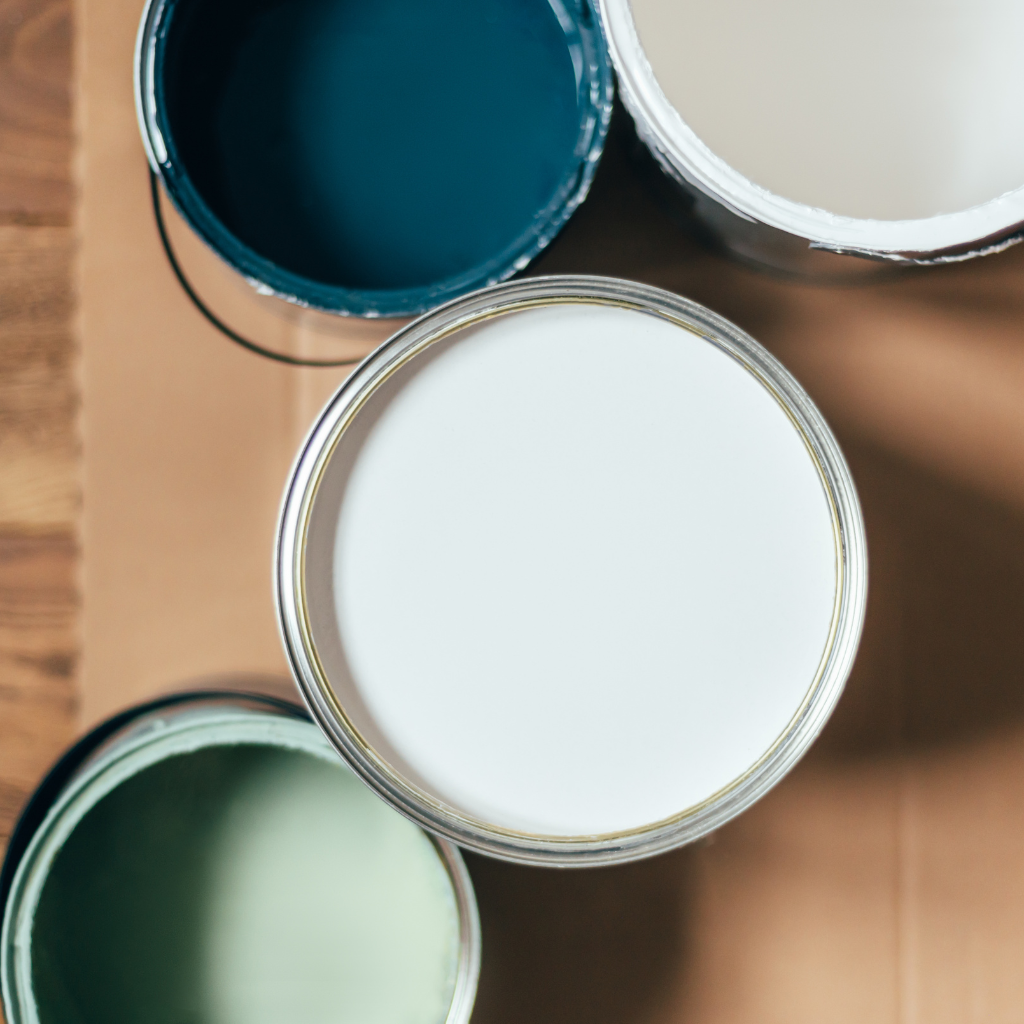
x: 208, y: 858
x: 374, y: 159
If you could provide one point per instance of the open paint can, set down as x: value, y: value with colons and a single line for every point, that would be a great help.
x: 571, y: 571
x: 373, y: 157
x: 208, y: 857
x: 800, y: 131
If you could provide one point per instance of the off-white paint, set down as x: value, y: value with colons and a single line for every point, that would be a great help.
x: 888, y: 109
x: 584, y: 570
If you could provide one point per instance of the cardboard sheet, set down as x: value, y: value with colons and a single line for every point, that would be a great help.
x: 883, y: 881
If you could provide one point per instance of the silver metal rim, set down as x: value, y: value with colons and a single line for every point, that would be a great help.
x: 442, y: 819
x: 145, y: 88
x: 18, y: 1002
x: 686, y: 158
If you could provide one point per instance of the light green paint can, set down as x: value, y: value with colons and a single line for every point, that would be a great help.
x: 218, y: 865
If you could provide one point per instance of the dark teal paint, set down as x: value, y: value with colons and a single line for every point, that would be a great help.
x: 387, y: 147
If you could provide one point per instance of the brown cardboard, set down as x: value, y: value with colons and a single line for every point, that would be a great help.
x: 883, y: 881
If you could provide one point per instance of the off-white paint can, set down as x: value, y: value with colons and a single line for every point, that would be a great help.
x: 571, y: 571
x: 799, y: 130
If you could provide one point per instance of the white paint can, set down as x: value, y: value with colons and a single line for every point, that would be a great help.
x: 571, y: 571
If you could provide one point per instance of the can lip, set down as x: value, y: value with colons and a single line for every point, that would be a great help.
x: 65, y: 767
x: 405, y: 796
x: 127, y: 735
x: 948, y: 237
x: 595, y: 91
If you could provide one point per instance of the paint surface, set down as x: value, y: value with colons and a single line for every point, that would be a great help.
x: 584, y: 570
x: 888, y: 109
x: 244, y: 884
x: 374, y: 144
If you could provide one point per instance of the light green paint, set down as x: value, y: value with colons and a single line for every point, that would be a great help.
x: 229, y: 875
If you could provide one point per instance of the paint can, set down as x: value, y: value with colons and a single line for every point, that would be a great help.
x: 373, y: 159
x: 571, y: 571
x: 798, y: 134
x: 206, y: 856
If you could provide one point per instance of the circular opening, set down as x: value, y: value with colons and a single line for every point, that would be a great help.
x: 379, y: 152
x: 888, y: 110
x: 241, y: 881
x: 571, y: 571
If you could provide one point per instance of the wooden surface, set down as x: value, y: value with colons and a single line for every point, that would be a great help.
x: 38, y: 486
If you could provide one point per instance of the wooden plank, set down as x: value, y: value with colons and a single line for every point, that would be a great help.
x: 38, y: 400
x: 38, y: 449
x: 38, y: 652
x: 38, y: 505
x: 35, y: 112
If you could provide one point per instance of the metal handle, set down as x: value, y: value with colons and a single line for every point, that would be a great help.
x: 238, y: 339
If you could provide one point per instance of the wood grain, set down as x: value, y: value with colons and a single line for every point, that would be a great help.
x: 38, y: 605
x: 38, y: 399
x: 35, y: 112
x: 37, y: 389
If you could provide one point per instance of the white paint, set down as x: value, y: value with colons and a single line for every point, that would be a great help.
x: 584, y: 570
x: 888, y: 109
